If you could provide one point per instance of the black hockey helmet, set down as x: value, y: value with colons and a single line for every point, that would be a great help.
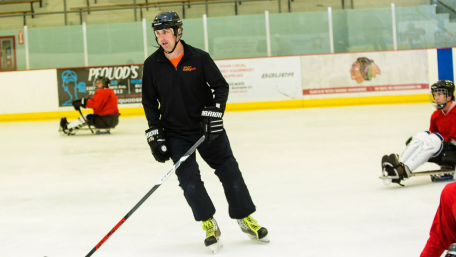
x: 444, y: 86
x: 166, y: 20
x: 105, y: 80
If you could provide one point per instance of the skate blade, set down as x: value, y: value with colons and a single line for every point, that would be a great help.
x: 263, y: 240
x: 387, y: 181
x: 66, y: 133
x: 215, y: 248
x: 102, y: 132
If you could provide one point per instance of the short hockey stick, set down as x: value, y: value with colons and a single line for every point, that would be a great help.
x: 83, y: 117
x: 178, y: 163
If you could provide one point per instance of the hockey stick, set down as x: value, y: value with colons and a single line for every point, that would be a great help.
x: 83, y: 117
x: 178, y: 163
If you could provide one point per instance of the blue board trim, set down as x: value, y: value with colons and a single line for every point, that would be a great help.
x: 445, y: 63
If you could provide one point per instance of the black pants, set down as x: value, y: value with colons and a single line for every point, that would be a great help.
x: 447, y: 157
x: 217, y: 155
x: 103, y: 122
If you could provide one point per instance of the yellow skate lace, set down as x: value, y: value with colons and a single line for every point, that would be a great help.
x: 209, y: 227
x: 252, y: 224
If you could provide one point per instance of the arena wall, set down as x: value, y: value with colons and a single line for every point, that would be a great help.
x: 305, y: 81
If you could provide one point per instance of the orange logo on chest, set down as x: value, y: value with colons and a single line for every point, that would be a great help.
x: 189, y: 68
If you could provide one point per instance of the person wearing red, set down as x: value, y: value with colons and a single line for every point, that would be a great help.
x: 104, y: 101
x: 444, y: 122
x: 436, y: 145
x: 443, y: 230
x: 105, y: 111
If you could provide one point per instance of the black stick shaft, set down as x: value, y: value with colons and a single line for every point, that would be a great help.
x: 178, y: 163
x: 82, y: 115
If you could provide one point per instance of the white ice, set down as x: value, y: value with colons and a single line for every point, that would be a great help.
x: 312, y: 173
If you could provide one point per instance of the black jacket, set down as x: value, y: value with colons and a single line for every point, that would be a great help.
x: 183, y: 92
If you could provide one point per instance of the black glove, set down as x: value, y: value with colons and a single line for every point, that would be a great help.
x: 408, y: 141
x: 212, y: 123
x: 157, y: 143
x: 78, y: 103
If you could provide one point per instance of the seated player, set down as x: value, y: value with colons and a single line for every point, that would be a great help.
x: 105, y: 112
x: 443, y: 229
x: 436, y: 145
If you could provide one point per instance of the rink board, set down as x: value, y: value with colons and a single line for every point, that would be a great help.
x: 257, y: 84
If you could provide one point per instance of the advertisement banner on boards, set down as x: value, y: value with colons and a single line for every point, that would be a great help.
x: 346, y: 75
x: 262, y: 79
x: 77, y: 83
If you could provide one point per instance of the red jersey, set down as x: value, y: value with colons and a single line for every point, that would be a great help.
x: 444, y: 124
x: 103, y: 102
x: 443, y: 230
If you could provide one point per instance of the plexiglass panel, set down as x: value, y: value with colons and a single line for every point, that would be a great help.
x: 363, y: 30
x: 354, y: 30
x: 120, y: 43
x: 56, y: 47
x: 237, y: 37
x: 422, y: 27
x: 299, y: 33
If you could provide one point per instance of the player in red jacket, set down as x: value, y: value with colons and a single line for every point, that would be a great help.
x: 443, y: 230
x: 105, y: 111
x: 436, y: 145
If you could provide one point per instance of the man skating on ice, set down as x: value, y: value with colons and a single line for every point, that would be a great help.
x: 178, y: 81
x: 436, y: 145
x: 105, y: 111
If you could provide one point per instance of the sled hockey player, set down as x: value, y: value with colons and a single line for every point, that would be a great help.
x: 436, y: 145
x: 105, y: 111
x: 443, y: 230
x: 180, y: 107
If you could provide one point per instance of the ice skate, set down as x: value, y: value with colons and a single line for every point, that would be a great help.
x: 394, y: 170
x: 64, y: 127
x: 251, y: 227
x: 387, y: 167
x: 213, y: 233
x: 389, y: 172
x: 401, y: 169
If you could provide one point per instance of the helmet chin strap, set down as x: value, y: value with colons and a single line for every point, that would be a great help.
x: 442, y: 105
x: 174, y: 48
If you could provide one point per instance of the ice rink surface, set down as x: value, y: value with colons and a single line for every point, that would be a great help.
x: 312, y: 173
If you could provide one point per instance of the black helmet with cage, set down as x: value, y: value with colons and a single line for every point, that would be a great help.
x: 106, y: 82
x: 168, y: 20
x: 445, y: 87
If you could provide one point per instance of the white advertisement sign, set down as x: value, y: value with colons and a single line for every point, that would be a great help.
x: 262, y: 79
x: 372, y: 73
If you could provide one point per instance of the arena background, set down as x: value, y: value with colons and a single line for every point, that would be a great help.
x: 313, y: 172
x: 291, y: 59
x: 258, y: 83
